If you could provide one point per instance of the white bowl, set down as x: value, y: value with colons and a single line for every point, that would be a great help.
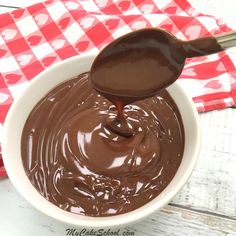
x: 40, y: 86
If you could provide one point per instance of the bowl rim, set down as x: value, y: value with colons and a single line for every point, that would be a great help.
x: 87, y: 221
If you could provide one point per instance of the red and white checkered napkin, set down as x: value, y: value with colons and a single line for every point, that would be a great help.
x: 34, y: 38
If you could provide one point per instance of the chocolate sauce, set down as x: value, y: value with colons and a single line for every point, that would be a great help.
x: 81, y: 166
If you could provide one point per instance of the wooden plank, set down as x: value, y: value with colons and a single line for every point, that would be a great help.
x: 212, y: 186
x: 19, y: 218
x: 179, y: 222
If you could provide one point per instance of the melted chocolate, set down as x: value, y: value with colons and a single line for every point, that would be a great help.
x: 76, y: 162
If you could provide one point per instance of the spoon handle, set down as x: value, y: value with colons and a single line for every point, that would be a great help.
x: 208, y: 45
x: 201, y: 47
x: 226, y: 40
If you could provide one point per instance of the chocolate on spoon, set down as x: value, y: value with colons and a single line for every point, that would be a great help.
x: 139, y: 64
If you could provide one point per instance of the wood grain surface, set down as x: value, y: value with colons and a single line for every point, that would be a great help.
x: 205, y: 206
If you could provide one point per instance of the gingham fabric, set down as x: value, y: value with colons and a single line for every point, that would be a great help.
x: 34, y: 38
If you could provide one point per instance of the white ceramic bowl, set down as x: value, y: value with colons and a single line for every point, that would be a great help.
x: 40, y: 86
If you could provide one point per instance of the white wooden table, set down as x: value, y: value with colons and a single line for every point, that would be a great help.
x: 205, y: 206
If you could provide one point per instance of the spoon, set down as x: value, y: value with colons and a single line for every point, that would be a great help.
x: 139, y: 64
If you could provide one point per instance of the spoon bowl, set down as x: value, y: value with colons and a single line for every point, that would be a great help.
x: 139, y: 64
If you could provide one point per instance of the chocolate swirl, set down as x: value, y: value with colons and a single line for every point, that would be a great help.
x: 78, y: 164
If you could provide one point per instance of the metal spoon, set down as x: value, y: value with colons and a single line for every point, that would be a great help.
x: 139, y: 64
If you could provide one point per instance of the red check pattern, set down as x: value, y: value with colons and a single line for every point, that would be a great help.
x: 34, y: 38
